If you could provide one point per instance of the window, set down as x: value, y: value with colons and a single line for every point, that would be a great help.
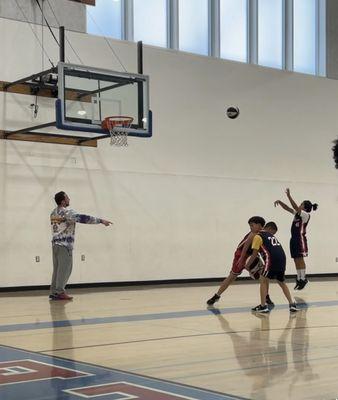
x: 193, y: 26
x: 299, y: 44
x: 105, y: 18
x: 270, y: 33
x: 233, y: 29
x: 304, y: 42
x: 150, y: 22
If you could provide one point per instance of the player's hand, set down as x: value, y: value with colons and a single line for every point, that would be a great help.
x: 105, y: 222
x: 287, y: 191
x: 276, y: 203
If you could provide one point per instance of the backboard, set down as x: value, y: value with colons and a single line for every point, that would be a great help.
x: 87, y: 95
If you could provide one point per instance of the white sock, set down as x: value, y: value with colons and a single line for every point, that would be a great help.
x: 302, y: 274
x: 299, y: 274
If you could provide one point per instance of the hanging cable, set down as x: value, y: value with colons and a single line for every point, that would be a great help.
x: 42, y: 37
x: 76, y: 54
x: 49, y: 27
x: 107, y: 41
x: 70, y: 45
x: 36, y: 36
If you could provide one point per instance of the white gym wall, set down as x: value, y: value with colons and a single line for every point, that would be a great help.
x: 180, y: 201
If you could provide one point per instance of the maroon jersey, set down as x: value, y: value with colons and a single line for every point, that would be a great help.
x: 241, y: 245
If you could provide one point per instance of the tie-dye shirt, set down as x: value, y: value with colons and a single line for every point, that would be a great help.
x: 63, y: 221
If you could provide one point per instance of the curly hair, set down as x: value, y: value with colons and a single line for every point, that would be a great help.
x: 257, y: 220
x: 59, y: 197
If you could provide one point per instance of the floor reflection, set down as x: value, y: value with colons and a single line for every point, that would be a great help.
x: 62, y: 338
x: 62, y: 328
x: 265, y: 358
x: 300, y: 346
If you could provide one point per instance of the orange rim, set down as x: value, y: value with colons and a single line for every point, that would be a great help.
x: 116, y: 120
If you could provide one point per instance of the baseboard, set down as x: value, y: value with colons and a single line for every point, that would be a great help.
x: 149, y: 283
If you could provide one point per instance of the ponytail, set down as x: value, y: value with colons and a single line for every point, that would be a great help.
x: 308, y: 206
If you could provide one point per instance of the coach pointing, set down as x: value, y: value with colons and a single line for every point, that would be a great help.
x: 63, y: 221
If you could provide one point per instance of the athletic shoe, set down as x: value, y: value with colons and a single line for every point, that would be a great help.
x: 213, y: 299
x: 297, y: 284
x: 261, y: 309
x: 302, y: 284
x: 269, y: 302
x: 52, y: 296
x: 63, y: 296
x: 293, y: 307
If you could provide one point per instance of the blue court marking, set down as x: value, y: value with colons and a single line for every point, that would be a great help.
x: 51, y: 387
x: 146, y: 317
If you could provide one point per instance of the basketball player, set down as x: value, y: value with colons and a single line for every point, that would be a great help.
x: 298, y: 241
x: 265, y: 243
x: 242, y: 253
x: 63, y: 222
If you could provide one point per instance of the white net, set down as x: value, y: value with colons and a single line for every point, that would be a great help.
x: 118, y: 126
x: 117, y: 137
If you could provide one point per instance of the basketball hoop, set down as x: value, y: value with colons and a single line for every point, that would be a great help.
x: 117, y: 126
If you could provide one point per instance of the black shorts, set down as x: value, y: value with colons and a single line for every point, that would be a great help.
x: 298, y: 247
x: 275, y: 272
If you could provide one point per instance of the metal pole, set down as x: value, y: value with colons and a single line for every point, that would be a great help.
x: 252, y: 42
x: 140, y: 57
x: 140, y: 85
x: 288, y: 35
x: 62, y: 43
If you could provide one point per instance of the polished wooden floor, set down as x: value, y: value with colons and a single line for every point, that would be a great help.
x: 167, y: 332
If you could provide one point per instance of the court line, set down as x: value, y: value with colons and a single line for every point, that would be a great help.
x: 145, y: 317
x: 257, y: 367
x: 176, y: 337
x: 300, y: 348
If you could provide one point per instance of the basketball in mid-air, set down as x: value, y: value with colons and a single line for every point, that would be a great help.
x: 232, y: 112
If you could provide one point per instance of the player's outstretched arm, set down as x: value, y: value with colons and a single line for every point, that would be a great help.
x: 85, y: 219
x: 251, y: 259
x: 246, y: 246
x: 284, y: 206
x: 291, y: 200
x: 257, y: 243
